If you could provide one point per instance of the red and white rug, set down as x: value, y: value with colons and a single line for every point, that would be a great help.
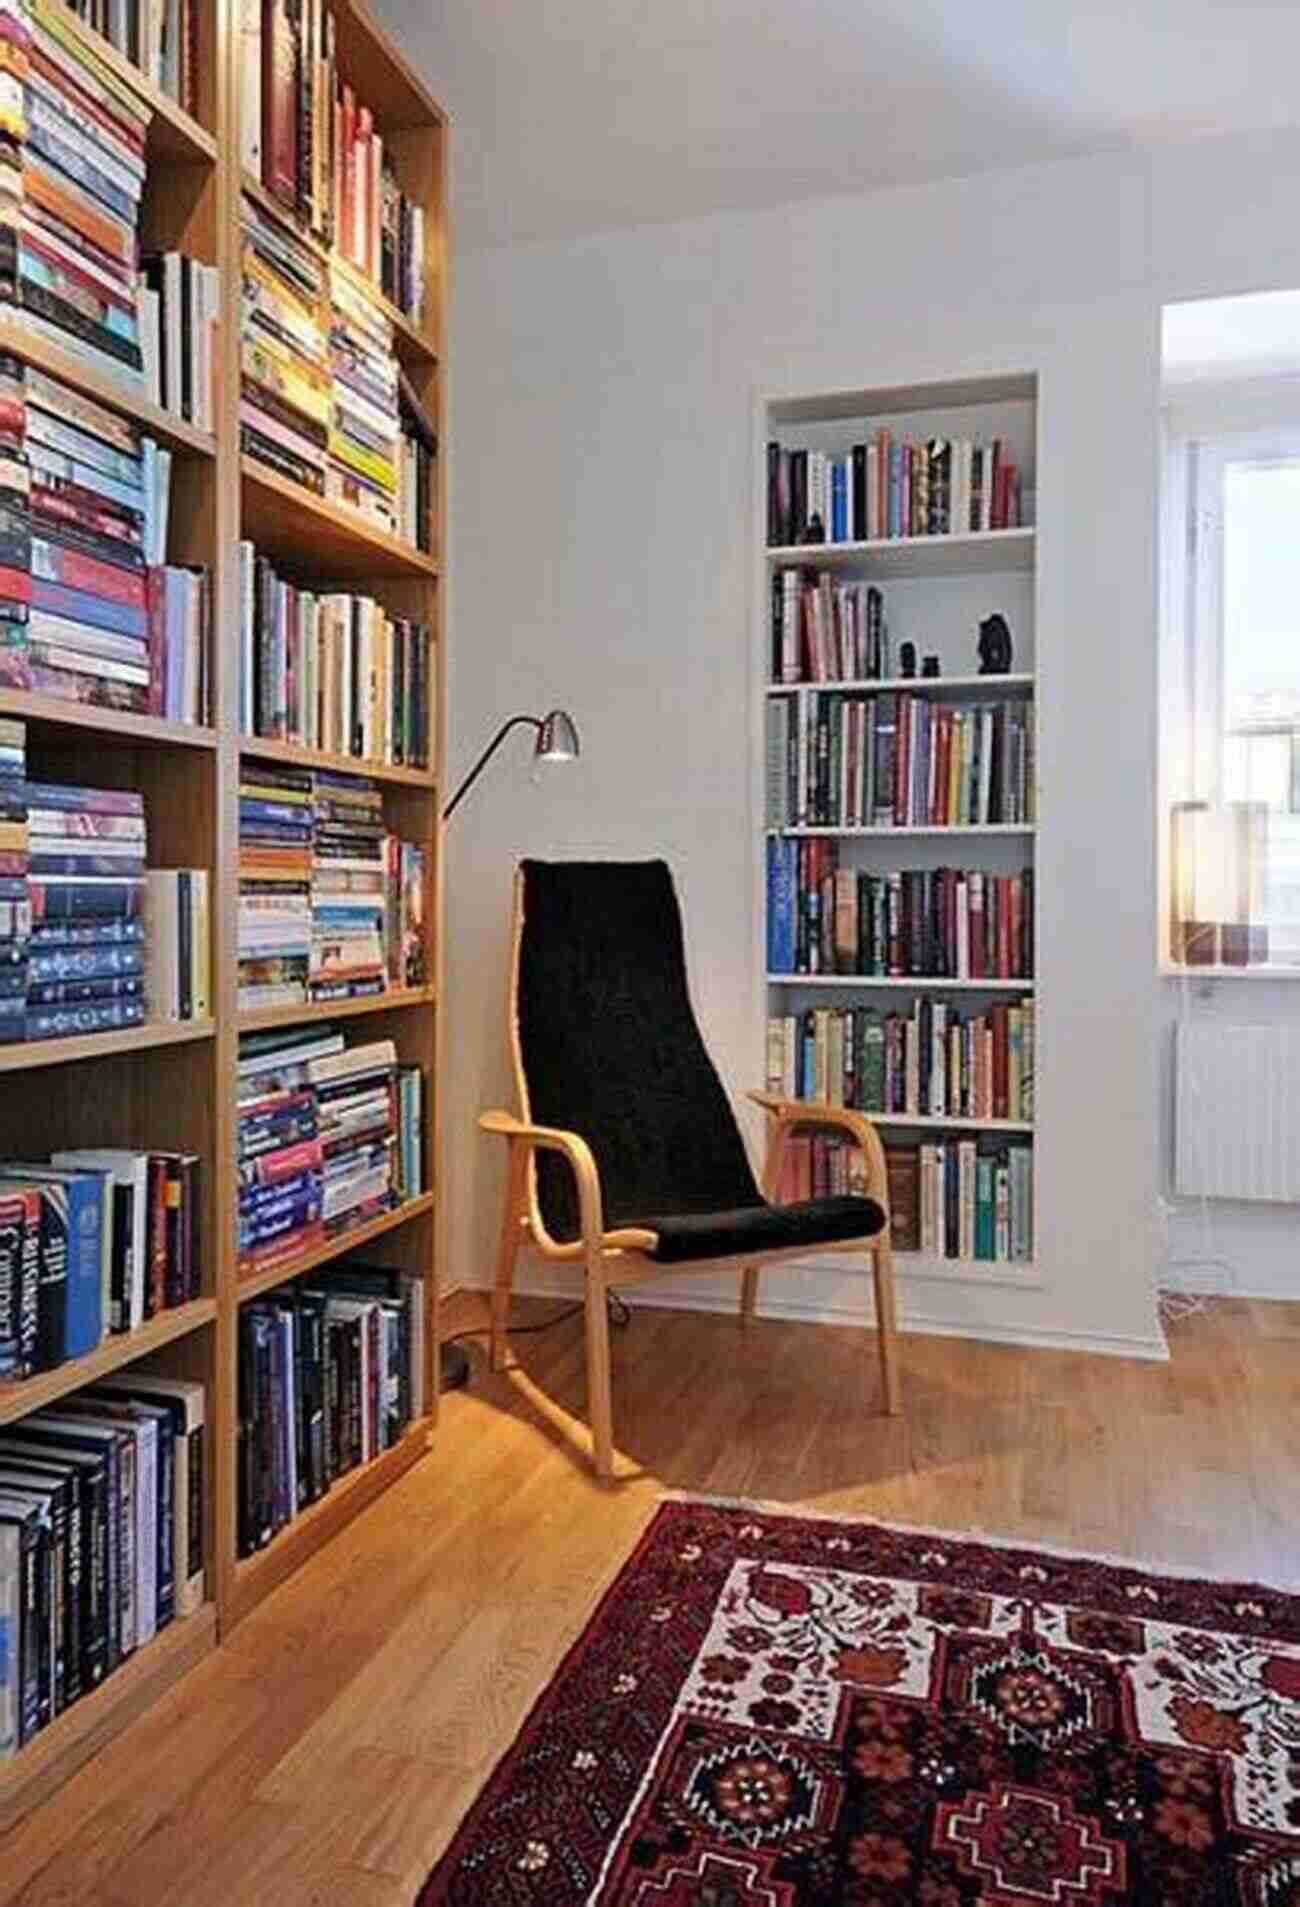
x: 786, y: 1711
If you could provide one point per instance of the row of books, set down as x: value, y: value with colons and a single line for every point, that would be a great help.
x: 319, y: 377
x: 330, y: 1136
x: 826, y: 629
x: 331, y: 1373
x: 840, y: 758
x: 963, y: 1199
x: 179, y: 300
x: 928, y: 923
x: 330, y: 904
x: 101, y: 1540
x: 89, y: 611
x: 68, y: 235
x: 931, y: 1061
x: 416, y: 467
x: 162, y: 40
x: 331, y: 670
x: 92, y: 1243
x: 315, y: 146
x: 886, y: 487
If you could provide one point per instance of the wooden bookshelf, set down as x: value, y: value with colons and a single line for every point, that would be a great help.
x: 294, y: 755
x: 166, y: 1085
x: 936, y: 590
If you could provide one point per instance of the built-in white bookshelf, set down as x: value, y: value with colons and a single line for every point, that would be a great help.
x: 937, y: 588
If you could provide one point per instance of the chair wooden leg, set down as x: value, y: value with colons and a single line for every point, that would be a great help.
x: 599, y: 1405
x: 882, y: 1259
x: 748, y: 1295
x: 507, y: 1253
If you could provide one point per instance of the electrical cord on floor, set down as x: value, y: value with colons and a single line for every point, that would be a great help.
x: 619, y: 1315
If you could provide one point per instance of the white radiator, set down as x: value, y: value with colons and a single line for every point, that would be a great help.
x: 1237, y: 1120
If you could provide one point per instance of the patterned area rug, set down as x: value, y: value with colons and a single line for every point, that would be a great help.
x: 780, y: 1711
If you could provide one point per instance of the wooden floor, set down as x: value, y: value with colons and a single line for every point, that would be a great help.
x: 322, y: 1758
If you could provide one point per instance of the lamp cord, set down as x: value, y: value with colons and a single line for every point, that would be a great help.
x: 620, y: 1316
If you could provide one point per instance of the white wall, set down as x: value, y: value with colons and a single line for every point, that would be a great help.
x: 602, y: 403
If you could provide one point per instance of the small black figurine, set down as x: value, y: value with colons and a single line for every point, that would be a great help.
x: 930, y: 666
x: 994, y: 645
x: 907, y: 660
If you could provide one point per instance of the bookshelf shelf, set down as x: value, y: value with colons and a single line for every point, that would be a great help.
x: 80, y: 1731
x: 929, y: 1124
x: 256, y: 1576
x: 173, y: 431
x: 901, y: 834
x: 252, y: 1283
x: 19, y: 1399
x: 264, y: 1018
x: 294, y: 755
x: 978, y: 553
x: 173, y: 135
x: 907, y: 983
x: 115, y: 725
x: 974, y: 686
x: 29, y: 1056
x: 288, y: 522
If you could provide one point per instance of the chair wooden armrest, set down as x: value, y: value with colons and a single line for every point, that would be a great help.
x: 786, y: 1115
x: 571, y: 1146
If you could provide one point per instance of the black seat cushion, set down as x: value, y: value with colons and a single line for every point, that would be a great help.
x: 817, y: 1221
x: 611, y: 1049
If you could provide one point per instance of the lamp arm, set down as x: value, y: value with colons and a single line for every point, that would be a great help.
x: 513, y: 721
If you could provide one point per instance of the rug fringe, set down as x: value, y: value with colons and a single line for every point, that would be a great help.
x: 763, y: 1506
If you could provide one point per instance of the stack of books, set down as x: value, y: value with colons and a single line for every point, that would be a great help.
x: 897, y: 760
x: 333, y: 672
x: 285, y: 386
x: 934, y: 923
x: 327, y: 1138
x: 931, y: 1061
x: 15, y: 904
x: 72, y: 269
x: 356, y: 1113
x: 963, y: 1199
x: 178, y: 298
x: 331, y: 1373
x: 93, y: 1244
x: 161, y: 40
x: 88, y: 610
x: 279, y: 1149
x: 348, y: 899
x: 884, y: 487
x: 315, y: 147
x: 365, y: 427
x: 178, y: 962
x: 415, y: 470
x: 112, y: 1474
x: 86, y: 884
x: 275, y: 884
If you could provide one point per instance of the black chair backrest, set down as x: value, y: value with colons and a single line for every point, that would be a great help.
x: 611, y: 1049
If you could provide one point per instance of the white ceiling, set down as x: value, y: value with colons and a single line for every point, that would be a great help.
x: 579, y: 115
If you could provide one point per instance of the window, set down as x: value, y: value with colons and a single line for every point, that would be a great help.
x: 1233, y: 746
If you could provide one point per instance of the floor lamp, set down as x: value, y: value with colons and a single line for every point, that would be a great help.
x: 555, y: 739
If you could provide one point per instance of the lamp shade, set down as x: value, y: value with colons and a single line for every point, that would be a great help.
x: 557, y: 738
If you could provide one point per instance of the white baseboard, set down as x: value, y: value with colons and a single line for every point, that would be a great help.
x: 564, y: 1281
